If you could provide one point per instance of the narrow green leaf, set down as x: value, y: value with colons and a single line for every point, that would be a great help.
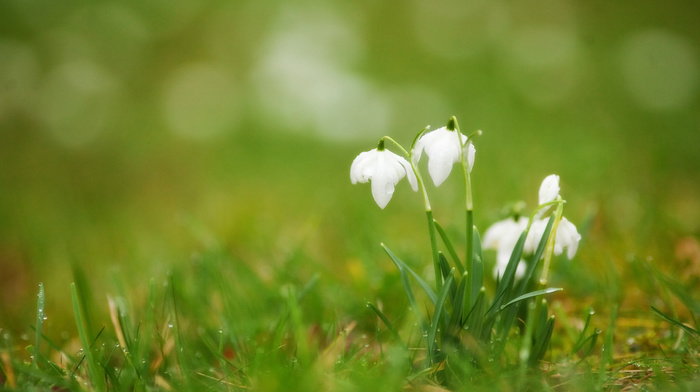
x: 534, y: 260
x: 386, y: 322
x: 476, y: 317
x: 455, y: 322
x: 446, y: 271
x: 695, y: 334
x: 403, y: 267
x: 581, y: 338
x: 450, y: 248
x: 439, y: 309
x: 542, y: 342
x: 506, y: 282
x: 477, y: 276
x: 94, y: 370
x: 608, y: 348
x: 409, y: 291
x: 39, y: 322
x: 532, y: 294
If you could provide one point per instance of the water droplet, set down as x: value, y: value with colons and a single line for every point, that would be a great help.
x: 170, y: 325
x: 25, y: 336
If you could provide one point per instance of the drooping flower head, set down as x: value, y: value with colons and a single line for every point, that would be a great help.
x: 384, y: 170
x: 503, y: 236
x: 443, y: 147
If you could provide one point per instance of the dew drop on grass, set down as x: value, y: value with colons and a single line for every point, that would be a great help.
x: 25, y: 336
x: 170, y: 325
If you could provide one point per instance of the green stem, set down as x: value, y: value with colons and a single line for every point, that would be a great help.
x: 469, y: 204
x: 548, y: 254
x: 549, y: 251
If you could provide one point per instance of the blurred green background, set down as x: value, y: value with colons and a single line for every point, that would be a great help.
x: 136, y: 134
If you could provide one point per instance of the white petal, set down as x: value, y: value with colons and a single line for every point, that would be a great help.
x: 439, y: 168
x: 535, y: 235
x: 382, y: 190
x: 359, y: 169
x: 549, y: 190
x: 569, y: 237
x: 410, y: 175
x: 470, y: 155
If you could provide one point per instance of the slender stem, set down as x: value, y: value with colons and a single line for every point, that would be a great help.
x: 469, y: 204
x: 549, y: 251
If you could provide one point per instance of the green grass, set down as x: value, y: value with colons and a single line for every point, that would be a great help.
x: 256, y: 310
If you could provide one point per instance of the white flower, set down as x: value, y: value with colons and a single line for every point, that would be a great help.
x: 444, y: 149
x: 385, y: 169
x: 549, y: 190
x: 566, y: 237
x: 503, y: 236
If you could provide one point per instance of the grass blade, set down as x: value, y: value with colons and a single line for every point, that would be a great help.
x: 409, y: 291
x: 531, y: 294
x: 403, y: 267
x: 39, y: 323
x: 386, y: 322
x: 695, y: 334
x: 439, y: 309
x: 506, y: 282
x: 96, y: 376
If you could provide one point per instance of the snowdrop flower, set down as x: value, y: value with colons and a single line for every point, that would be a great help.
x: 384, y: 169
x: 549, y: 190
x: 444, y: 148
x: 566, y: 237
x: 503, y: 236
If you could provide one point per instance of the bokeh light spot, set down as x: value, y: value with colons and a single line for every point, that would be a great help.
x: 660, y: 69
x: 304, y: 83
x: 543, y: 63
x: 77, y: 101
x: 200, y: 101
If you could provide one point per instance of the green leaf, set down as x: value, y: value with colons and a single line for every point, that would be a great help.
x: 534, y: 259
x: 506, y: 282
x: 403, y: 267
x: 409, y: 292
x: 477, y: 279
x: 94, y: 369
x: 39, y: 322
x: 476, y: 318
x: 446, y: 271
x: 386, y: 322
x: 450, y: 248
x: 455, y: 323
x: 532, y: 294
x: 695, y: 334
x: 439, y: 309
x: 542, y: 342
